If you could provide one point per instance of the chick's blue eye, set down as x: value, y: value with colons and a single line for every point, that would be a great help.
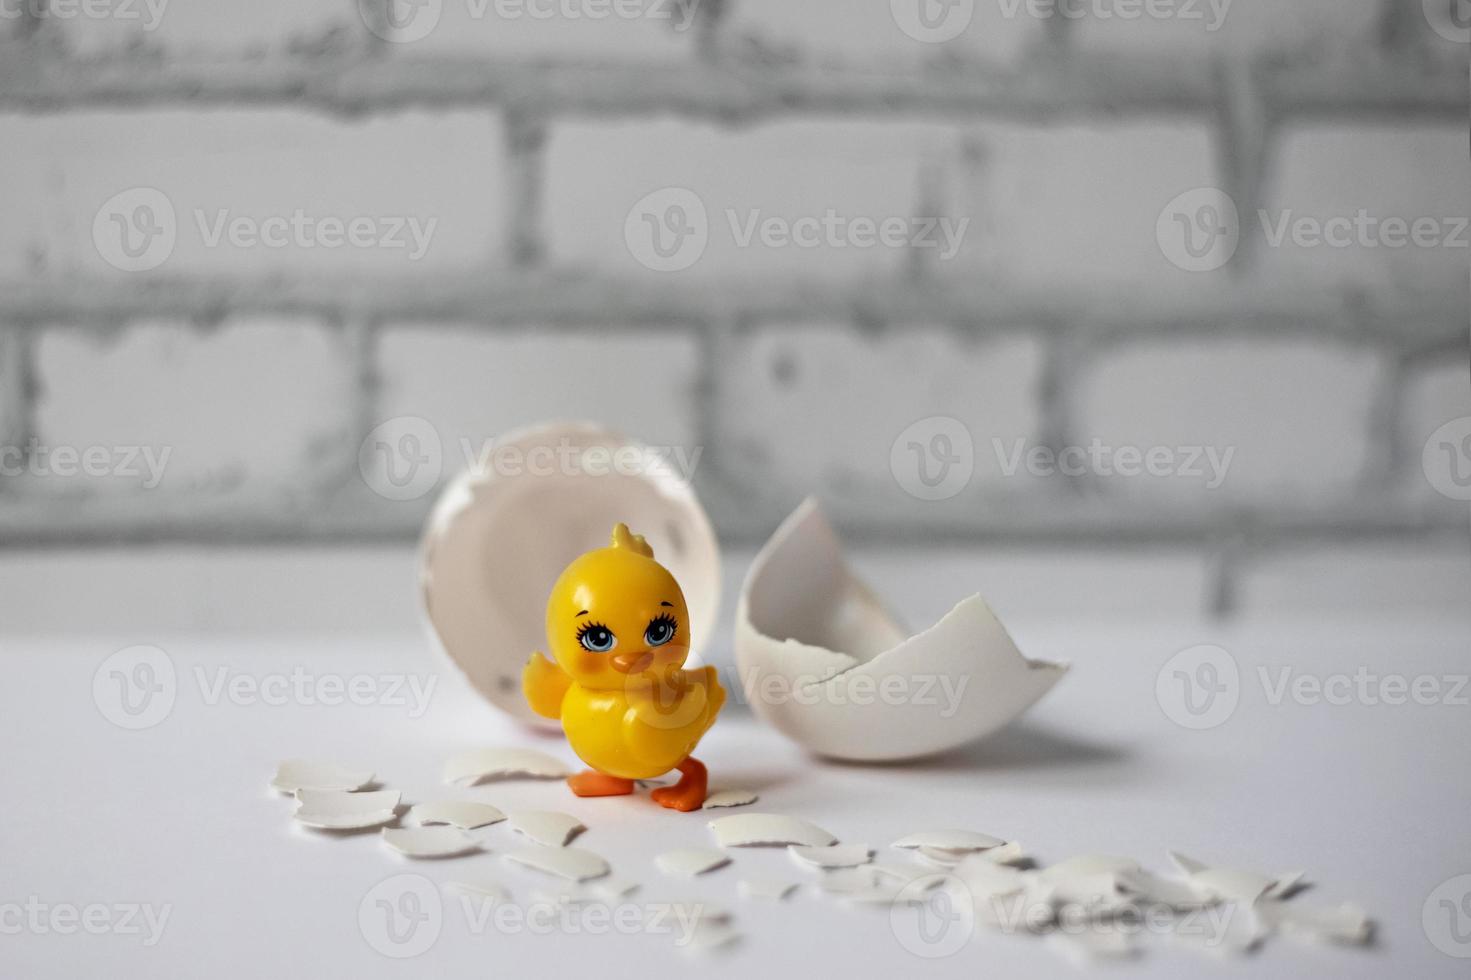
x: 596, y: 638
x: 660, y: 631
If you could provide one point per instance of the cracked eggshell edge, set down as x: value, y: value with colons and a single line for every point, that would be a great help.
x: 968, y: 643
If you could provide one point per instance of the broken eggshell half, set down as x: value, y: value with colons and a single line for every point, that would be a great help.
x: 502, y: 532
x: 824, y: 662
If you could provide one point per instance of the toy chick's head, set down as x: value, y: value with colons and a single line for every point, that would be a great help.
x: 616, y: 615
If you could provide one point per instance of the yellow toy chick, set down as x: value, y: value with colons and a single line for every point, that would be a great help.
x: 618, y: 630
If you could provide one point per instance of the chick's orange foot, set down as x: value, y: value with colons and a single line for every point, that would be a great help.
x: 594, y: 783
x: 687, y: 794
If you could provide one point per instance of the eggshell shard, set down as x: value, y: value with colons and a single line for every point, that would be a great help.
x: 1233, y: 885
x: 729, y: 797
x: 761, y: 829
x: 330, y: 809
x: 465, y: 814
x: 547, y: 827
x: 477, y: 765
x: 572, y: 863
x: 824, y: 662
x: 299, y: 774
x: 1347, y: 924
x: 430, y: 842
x: 501, y: 534
x: 950, y: 840
x: 691, y: 861
x: 827, y: 858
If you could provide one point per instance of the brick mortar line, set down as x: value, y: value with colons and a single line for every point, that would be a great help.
x: 1430, y: 318
x: 1374, y: 84
x: 31, y: 521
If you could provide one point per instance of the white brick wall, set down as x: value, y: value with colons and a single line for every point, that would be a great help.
x: 1230, y: 394
x: 798, y: 365
x: 472, y: 387
x: 1084, y: 199
x: 786, y: 172
x: 1331, y: 174
x: 816, y: 408
x: 248, y: 409
x: 856, y: 30
x: 446, y: 170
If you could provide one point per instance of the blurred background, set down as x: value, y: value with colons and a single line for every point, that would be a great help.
x: 1100, y: 306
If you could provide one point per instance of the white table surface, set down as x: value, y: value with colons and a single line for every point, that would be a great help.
x: 1372, y: 801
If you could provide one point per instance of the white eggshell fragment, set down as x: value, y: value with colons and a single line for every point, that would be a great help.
x: 566, y: 862
x: 1233, y: 885
x: 295, y: 774
x: 836, y: 856
x: 1347, y: 923
x: 429, y: 842
x: 481, y: 764
x: 547, y: 827
x: 331, y: 809
x: 503, y: 531
x: 825, y: 663
x: 759, y: 829
x: 729, y: 797
x: 465, y: 814
x: 950, y: 840
x: 690, y: 861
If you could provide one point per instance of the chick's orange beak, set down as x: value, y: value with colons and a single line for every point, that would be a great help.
x: 632, y: 662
